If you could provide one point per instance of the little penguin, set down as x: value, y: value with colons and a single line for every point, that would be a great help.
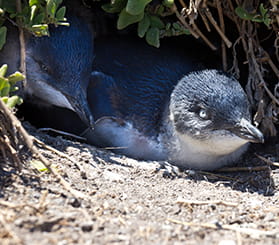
x: 164, y: 104
x: 58, y: 67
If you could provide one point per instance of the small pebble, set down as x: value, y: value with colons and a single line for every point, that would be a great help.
x: 87, y: 227
x: 74, y: 202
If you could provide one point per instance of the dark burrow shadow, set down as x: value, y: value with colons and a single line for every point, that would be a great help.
x: 260, y: 178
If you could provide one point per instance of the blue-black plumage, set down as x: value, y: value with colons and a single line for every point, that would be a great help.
x: 161, y: 104
x: 58, y: 67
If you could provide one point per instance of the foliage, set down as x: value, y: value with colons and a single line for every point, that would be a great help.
x: 34, y: 16
x: 260, y: 16
x: 7, y: 86
x: 150, y: 18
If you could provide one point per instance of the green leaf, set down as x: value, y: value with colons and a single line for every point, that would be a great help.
x: 5, y: 99
x: 13, y: 101
x: 3, y: 70
x: 5, y: 90
x: 40, y: 30
x: 168, y: 3
x: 243, y: 14
x: 125, y: 19
x: 39, y: 166
x: 3, y: 84
x: 257, y: 18
x: 160, y: 10
x: 114, y: 7
x: 168, y: 26
x: 135, y: 7
x: 153, y: 37
x: 34, y: 2
x: 15, y: 77
x: 143, y: 26
x: 263, y: 10
x: 9, y: 6
x: 60, y: 14
x: 33, y: 10
x: 39, y: 19
x: 3, y: 34
x: 267, y: 21
x: 63, y: 23
x: 155, y: 21
x: 51, y: 8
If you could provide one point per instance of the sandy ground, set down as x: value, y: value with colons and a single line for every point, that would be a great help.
x: 135, y: 202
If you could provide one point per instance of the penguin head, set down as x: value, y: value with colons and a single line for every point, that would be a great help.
x: 210, y: 112
x: 59, y: 67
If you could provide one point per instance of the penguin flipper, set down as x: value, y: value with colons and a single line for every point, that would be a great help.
x: 99, y: 94
x: 123, y: 138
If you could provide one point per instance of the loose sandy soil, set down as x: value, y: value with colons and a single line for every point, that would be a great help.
x: 135, y: 202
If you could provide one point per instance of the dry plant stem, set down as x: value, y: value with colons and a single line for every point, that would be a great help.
x: 238, y: 238
x: 257, y: 70
x: 222, y: 24
x: 63, y: 133
x: 235, y: 18
x: 196, y: 32
x: 59, y: 153
x: 182, y: 20
x: 217, y: 175
x: 17, y: 206
x: 12, y: 149
x: 269, y: 162
x: 22, y: 45
x: 5, y: 142
x: 274, y: 4
x: 217, y: 202
x: 271, y: 64
x: 29, y: 141
x: 247, y: 231
x: 244, y: 169
x: 214, y: 23
x: 204, y: 38
x: 204, y: 20
x: 9, y: 230
x: 182, y: 4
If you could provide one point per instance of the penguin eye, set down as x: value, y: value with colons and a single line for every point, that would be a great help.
x: 203, y: 114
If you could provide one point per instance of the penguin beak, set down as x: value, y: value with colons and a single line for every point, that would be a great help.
x: 81, y: 107
x: 245, y: 130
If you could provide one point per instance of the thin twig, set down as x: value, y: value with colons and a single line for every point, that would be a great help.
x: 22, y: 45
x: 63, y: 133
x: 204, y: 20
x: 268, y: 161
x: 182, y: 20
x: 222, y: 25
x: 271, y: 64
x: 182, y: 3
x: 217, y: 202
x: 204, y: 38
x: 217, y: 175
x: 257, y: 70
x: 247, y: 231
x: 217, y: 28
x: 243, y: 169
x: 58, y: 153
x: 17, y: 206
x: 9, y: 230
x: 29, y: 141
